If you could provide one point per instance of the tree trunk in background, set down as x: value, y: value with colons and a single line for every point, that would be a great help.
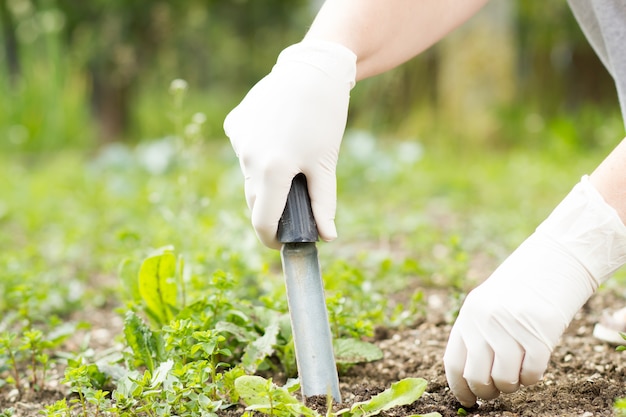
x: 477, y: 65
x: 111, y: 106
x: 10, y: 41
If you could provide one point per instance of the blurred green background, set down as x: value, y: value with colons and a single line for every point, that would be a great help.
x: 495, y: 123
x: 79, y: 74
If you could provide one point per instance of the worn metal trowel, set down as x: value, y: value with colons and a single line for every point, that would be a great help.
x: 305, y: 294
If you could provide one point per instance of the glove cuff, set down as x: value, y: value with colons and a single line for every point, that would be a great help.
x: 333, y: 59
x: 590, y: 229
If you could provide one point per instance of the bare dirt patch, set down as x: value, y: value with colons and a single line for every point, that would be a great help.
x: 584, y: 377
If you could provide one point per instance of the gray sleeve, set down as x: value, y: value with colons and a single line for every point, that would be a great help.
x: 604, y: 24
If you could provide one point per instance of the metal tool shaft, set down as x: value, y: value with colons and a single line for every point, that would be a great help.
x: 311, y: 331
x: 305, y: 294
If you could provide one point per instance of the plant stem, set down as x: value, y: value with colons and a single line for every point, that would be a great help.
x: 181, y: 279
x: 18, y: 384
x: 33, y: 361
x: 82, y: 402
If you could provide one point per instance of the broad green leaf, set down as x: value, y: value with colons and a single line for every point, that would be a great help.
x: 260, y: 349
x: 252, y: 389
x: 348, y: 351
x: 145, y: 344
x: 157, y: 285
x: 403, y: 392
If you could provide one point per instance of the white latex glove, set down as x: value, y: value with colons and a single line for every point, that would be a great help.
x: 508, y: 326
x: 293, y: 121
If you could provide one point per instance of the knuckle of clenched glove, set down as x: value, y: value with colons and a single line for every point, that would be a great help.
x: 265, y: 166
x: 273, y: 167
x: 264, y: 230
x: 247, y: 159
x: 477, y: 301
x: 485, y: 308
x: 453, y: 366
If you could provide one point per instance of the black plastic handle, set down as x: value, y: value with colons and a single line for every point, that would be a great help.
x: 297, y: 223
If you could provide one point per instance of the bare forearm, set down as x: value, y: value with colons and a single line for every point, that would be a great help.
x: 610, y: 179
x: 385, y: 33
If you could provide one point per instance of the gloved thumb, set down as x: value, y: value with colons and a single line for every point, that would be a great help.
x: 268, y: 203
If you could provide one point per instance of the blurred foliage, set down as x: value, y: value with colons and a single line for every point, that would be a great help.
x: 94, y: 62
x: 556, y: 58
x: 560, y: 84
x: 75, y: 74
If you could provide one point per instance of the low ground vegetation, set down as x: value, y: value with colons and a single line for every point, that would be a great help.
x: 132, y: 283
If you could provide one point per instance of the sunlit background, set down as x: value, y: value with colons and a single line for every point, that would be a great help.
x: 111, y: 140
x: 81, y: 74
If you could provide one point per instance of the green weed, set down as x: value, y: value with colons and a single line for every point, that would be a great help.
x: 7, y: 412
x: 27, y: 354
x: 86, y: 381
x: 264, y: 396
x: 193, y: 355
x: 619, y: 407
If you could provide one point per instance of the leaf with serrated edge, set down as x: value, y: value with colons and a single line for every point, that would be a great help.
x: 138, y: 338
x: 260, y: 349
x: 161, y: 372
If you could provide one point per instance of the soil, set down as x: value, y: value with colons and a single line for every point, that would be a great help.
x: 583, y: 379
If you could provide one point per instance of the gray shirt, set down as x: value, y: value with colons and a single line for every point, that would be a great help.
x: 604, y: 24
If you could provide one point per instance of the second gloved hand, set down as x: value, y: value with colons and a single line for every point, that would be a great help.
x: 293, y: 121
x: 508, y: 326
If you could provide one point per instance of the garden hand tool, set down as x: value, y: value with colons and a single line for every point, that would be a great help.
x: 297, y: 232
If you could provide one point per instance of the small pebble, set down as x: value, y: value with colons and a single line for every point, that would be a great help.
x: 13, y: 394
x: 594, y: 377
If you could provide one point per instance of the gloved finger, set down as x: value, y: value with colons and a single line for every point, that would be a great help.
x: 478, y: 366
x: 323, y: 193
x: 229, y: 127
x: 507, y: 364
x: 454, y: 364
x: 249, y: 168
x: 269, y: 203
x: 535, y: 363
x: 249, y: 186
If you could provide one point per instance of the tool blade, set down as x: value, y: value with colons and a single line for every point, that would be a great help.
x: 309, y: 321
